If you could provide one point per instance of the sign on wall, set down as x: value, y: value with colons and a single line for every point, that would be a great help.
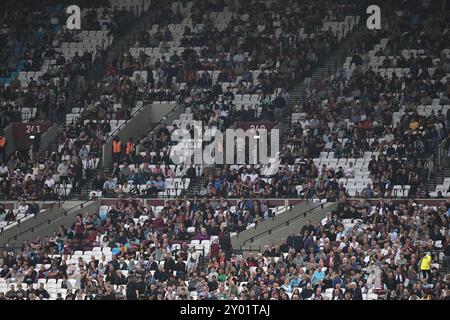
x: 23, y: 131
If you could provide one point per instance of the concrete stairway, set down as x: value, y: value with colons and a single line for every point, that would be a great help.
x: 273, y: 230
x: 127, y: 40
x: 329, y: 66
x: 196, y: 186
x: 441, y: 171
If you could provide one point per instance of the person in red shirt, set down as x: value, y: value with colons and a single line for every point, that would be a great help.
x: 79, y: 227
x: 158, y: 223
x: 214, y: 250
x: 251, y: 261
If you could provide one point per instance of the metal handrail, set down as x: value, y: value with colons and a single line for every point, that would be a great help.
x: 51, y: 219
x: 27, y: 215
x: 285, y: 223
x: 135, y: 113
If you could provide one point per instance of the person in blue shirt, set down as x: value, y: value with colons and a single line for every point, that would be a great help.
x: 317, y: 276
x: 308, y: 242
x: 217, y: 184
x: 295, y: 282
x: 139, y: 177
x: 109, y: 184
x: 151, y: 181
x: 159, y: 184
x: 83, y: 151
x: 287, y: 286
x: 249, y: 205
x: 336, y: 280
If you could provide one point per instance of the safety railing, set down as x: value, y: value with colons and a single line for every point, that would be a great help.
x: 27, y: 216
x: 284, y: 223
x: 54, y: 216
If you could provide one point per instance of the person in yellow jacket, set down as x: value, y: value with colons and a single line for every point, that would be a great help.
x: 425, y: 266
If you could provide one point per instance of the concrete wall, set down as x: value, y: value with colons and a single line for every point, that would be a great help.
x: 232, y: 202
x: 142, y: 123
x: 10, y: 146
x: 48, y: 137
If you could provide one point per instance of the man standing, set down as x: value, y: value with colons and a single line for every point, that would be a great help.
x: 63, y: 170
x: 308, y: 74
x: 132, y: 288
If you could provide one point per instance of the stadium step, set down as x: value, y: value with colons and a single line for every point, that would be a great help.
x: 123, y: 43
x: 328, y: 67
x: 440, y: 173
x: 285, y: 221
x: 196, y: 186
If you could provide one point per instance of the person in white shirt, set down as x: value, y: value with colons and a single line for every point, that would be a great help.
x: 30, y: 175
x: 126, y: 188
x: 276, y: 22
x: 253, y: 176
x: 328, y: 144
x: 23, y: 208
x: 323, y: 240
x: 304, y: 123
x: 327, y: 219
x: 49, y: 182
x: 245, y: 175
x: 340, y: 235
x: 350, y: 171
x: 63, y: 170
x: 180, y: 171
x: 3, y: 170
x: 342, y: 244
x: 238, y: 58
x: 88, y: 165
x: 354, y: 243
x: 386, y: 250
x: 261, y: 27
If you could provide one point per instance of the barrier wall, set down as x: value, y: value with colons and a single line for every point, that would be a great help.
x: 233, y: 202
x: 48, y: 137
x: 17, y: 135
x: 10, y: 145
x: 142, y: 123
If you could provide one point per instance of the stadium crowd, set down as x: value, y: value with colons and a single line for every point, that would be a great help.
x: 53, y: 94
x: 212, y: 102
x: 352, y: 113
x: 381, y: 250
x: 359, y: 250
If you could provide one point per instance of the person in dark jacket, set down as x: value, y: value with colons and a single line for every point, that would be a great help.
x: 169, y: 264
x: 225, y: 244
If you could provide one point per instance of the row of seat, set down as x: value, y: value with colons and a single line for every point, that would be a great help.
x: 89, y: 41
x: 169, y: 183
